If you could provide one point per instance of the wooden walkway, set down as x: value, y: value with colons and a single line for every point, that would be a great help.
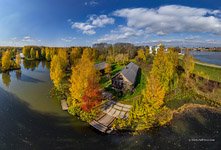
x: 110, y: 111
x: 64, y: 105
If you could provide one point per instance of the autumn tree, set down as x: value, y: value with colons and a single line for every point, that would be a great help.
x: 107, y: 70
x: 62, y: 53
x: 92, y: 94
x: 18, y: 61
x: 121, y: 59
x: 164, y: 66
x: 6, y: 60
x: 188, y: 64
x: 141, y: 55
x: 26, y: 52
x: 47, y: 54
x: 37, y: 55
x: 75, y: 55
x: 147, y: 52
x: 81, y: 73
x: 56, y: 71
x: 32, y: 53
x: 43, y: 52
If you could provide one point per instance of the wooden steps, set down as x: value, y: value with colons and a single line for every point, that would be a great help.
x: 104, y: 123
x: 110, y: 111
x: 64, y: 105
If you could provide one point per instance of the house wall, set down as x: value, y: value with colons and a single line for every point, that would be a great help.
x: 119, y: 83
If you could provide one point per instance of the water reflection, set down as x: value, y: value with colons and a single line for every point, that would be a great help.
x: 18, y: 74
x: 6, y: 79
x: 47, y: 64
x: 30, y: 64
x: 35, y: 64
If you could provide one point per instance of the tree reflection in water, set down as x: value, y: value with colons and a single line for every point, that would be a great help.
x: 6, y: 78
x: 18, y: 74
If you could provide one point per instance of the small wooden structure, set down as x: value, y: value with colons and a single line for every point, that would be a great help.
x: 64, y: 105
x: 126, y: 79
x: 101, y: 67
x: 110, y: 111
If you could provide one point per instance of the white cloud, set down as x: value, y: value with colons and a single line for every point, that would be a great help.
x: 191, y: 41
x: 101, y: 21
x: 122, y: 33
x: 92, y: 23
x: 15, y: 41
x: 85, y: 27
x: 91, y: 3
x: 68, y: 39
x: 172, y: 19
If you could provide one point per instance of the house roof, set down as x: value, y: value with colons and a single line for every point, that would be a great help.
x: 101, y: 66
x: 130, y: 72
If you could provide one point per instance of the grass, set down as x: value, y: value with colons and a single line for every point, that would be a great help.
x: 203, y: 70
x: 116, y: 68
x: 209, y: 72
x: 178, y: 99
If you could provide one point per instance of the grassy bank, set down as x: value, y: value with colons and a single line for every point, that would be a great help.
x: 208, y: 72
x: 205, y: 70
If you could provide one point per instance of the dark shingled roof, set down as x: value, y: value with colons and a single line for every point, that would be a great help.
x: 101, y: 66
x: 130, y: 72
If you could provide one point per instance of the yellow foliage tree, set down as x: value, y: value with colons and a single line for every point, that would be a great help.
x: 56, y: 71
x: 81, y: 74
x: 75, y: 55
x: 62, y: 53
x: 188, y: 64
x: 154, y: 93
x: 18, y: 60
x: 32, y: 53
x: 37, y: 55
x: 141, y: 55
x: 147, y: 53
x: 6, y: 60
x: 47, y: 54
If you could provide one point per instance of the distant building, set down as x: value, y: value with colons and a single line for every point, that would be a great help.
x: 101, y: 67
x: 126, y: 79
x: 156, y: 48
x: 22, y: 55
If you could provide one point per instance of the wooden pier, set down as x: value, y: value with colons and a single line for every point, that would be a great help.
x: 110, y: 111
x: 64, y: 105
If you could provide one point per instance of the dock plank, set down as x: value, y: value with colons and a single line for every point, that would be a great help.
x: 64, y: 105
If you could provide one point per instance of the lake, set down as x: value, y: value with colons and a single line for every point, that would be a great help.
x: 31, y: 119
x: 208, y: 57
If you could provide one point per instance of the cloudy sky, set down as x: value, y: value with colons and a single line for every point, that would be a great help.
x: 84, y: 22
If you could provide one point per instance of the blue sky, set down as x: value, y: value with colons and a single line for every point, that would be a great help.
x: 84, y: 22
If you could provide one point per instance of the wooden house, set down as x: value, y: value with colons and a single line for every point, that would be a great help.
x: 101, y: 67
x: 126, y: 79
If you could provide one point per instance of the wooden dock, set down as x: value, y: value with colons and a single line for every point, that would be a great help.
x: 110, y: 111
x: 64, y: 105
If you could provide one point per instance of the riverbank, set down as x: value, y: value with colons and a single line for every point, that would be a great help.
x: 206, y: 70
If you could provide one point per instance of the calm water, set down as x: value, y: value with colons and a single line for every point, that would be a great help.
x: 208, y: 57
x: 30, y: 119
